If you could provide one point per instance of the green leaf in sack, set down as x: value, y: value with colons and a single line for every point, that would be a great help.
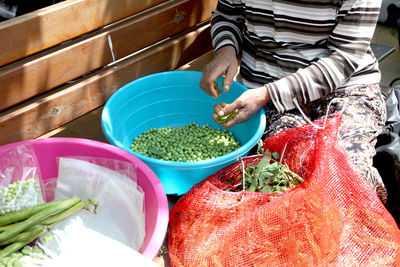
x: 249, y: 173
x: 264, y: 177
x: 261, y: 168
x: 275, y: 155
x: 274, y: 167
x: 266, y: 189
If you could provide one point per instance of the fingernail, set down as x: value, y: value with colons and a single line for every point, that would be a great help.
x: 226, y: 88
x: 221, y: 113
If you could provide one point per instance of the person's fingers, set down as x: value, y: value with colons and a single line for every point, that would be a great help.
x: 205, y: 85
x: 219, y: 109
x: 216, y: 88
x: 229, y: 123
x: 224, y: 109
x: 227, y: 109
x: 238, y: 118
x: 208, y: 78
x: 229, y: 76
x: 215, y: 117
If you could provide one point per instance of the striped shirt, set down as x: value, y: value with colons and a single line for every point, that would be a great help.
x: 300, y: 50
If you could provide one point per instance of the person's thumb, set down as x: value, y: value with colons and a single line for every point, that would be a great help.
x: 229, y: 76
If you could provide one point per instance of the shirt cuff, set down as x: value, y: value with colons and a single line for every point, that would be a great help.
x: 226, y: 40
x: 281, y: 96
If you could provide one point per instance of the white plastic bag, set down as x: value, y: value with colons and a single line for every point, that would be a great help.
x: 73, y: 244
x: 120, y: 214
x: 20, y: 179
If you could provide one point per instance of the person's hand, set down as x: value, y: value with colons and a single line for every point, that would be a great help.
x: 224, y: 63
x: 247, y: 105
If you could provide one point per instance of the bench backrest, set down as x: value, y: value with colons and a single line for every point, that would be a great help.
x: 62, y: 61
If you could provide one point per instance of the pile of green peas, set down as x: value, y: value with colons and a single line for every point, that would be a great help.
x: 20, y: 194
x: 186, y: 143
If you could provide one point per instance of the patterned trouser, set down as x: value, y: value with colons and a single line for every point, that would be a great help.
x: 363, y: 117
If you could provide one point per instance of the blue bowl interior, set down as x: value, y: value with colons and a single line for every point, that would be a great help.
x: 172, y: 99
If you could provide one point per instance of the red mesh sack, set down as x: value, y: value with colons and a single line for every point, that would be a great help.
x: 334, y: 218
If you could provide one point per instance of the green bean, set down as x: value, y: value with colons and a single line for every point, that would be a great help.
x: 24, y: 213
x: 67, y: 212
x: 8, y: 226
x: 37, y: 218
x: 15, y: 247
x: 225, y: 118
x: 36, y: 230
x: 57, y: 217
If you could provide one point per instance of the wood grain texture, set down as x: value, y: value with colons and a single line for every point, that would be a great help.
x: 35, y: 31
x: 88, y: 126
x: 56, y: 108
x: 46, y: 70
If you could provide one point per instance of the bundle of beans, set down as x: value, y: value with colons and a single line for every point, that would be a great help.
x: 20, y: 228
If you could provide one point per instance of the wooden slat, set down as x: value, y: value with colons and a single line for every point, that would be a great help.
x: 88, y: 126
x: 43, y: 28
x: 44, y: 71
x: 66, y: 103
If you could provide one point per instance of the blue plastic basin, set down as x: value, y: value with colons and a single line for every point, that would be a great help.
x: 174, y: 99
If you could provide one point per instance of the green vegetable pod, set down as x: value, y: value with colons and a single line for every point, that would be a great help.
x: 24, y: 213
x: 221, y: 119
x: 37, y: 218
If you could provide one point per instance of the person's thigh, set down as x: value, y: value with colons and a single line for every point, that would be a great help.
x: 363, y: 117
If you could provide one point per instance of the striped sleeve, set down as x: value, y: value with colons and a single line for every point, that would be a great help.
x: 227, y: 24
x: 348, y: 44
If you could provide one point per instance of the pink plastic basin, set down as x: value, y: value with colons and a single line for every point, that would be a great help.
x: 156, y: 204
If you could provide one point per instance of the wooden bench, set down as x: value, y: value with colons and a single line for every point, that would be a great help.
x: 64, y: 61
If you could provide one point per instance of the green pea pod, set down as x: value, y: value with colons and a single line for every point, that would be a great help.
x: 24, y: 213
x: 68, y: 212
x: 37, y: 217
x: 155, y: 152
x: 8, y: 250
x: 34, y: 231
x: 221, y: 119
x: 216, y: 85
